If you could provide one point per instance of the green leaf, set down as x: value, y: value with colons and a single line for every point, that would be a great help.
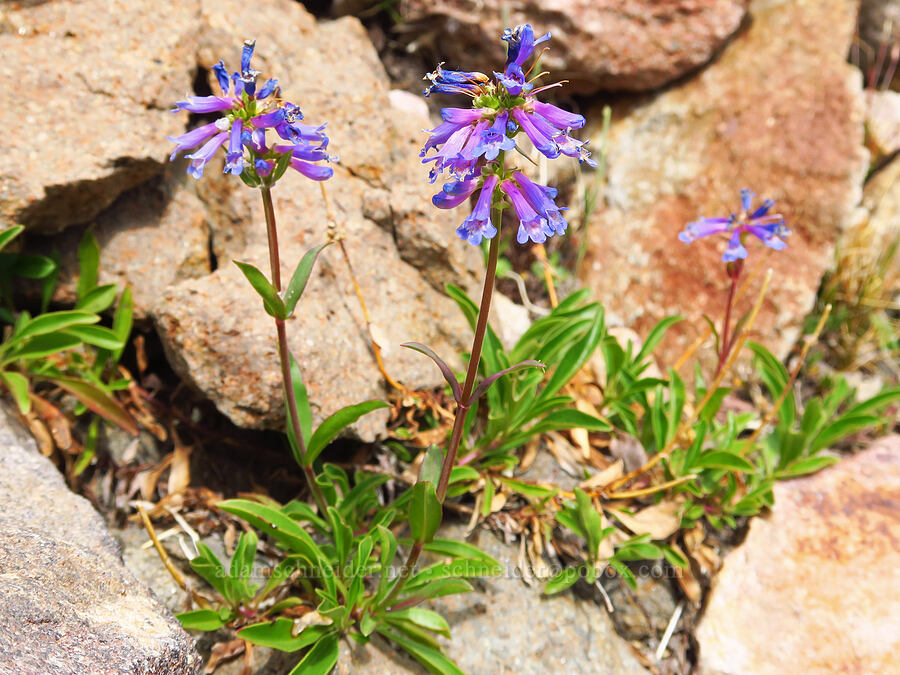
x: 841, y: 428
x: 27, y: 265
x: 297, y: 285
x: 250, y: 178
x: 534, y: 491
x: 320, y: 659
x: 439, y: 588
x: 43, y: 345
x: 591, y: 522
x: 9, y: 234
x: 806, y: 465
x: 425, y: 618
x: 90, y: 448
x: 18, y: 386
x: 281, y: 165
x: 388, y: 544
x: 303, y: 410
x: 655, y: 337
x: 462, y: 567
x: 724, y: 460
x: 336, y: 423
x: 122, y: 321
x: 463, y: 473
x: 284, y: 529
x: 432, y: 659
x: 575, y: 357
x: 887, y: 396
x: 202, y: 619
x: 210, y: 568
x: 53, y: 322
x: 452, y: 548
x: 446, y: 371
x: 272, y: 302
x: 430, y: 470
x: 624, y: 572
x: 98, y: 401
x: 97, y: 336
x: 88, y: 264
x: 341, y: 534
x: 98, y: 299
x: 278, y: 635
x: 241, y: 568
x: 563, y: 580
x: 424, y: 512
x: 675, y: 558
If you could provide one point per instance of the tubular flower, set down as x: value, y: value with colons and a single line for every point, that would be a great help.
x: 470, y: 143
x: 768, y: 228
x: 248, y: 113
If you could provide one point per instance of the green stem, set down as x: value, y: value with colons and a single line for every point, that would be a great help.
x: 290, y: 401
x: 464, y: 405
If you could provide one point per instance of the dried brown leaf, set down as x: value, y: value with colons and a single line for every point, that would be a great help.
x: 180, y: 475
x: 660, y: 521
x: 224, y: 651
x: 605, y: 477
x: 41, y: 434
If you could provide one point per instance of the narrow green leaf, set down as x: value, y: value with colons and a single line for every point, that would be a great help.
x: 300, y: 277
x: 342, y: 536
x: 842, y: 428
x: 18, y: 386
x: 98, y: 401
x: 432, y: 659
x: 54, y: 321
x: 276, y: 524
x: 462, y: 567
x: 724, y: 460
x: 425, y: 618
x: 28, y: 265
x: 336, y: 423
x: 98, y: 299
x: 424, y: 512
x: 281, y: 165
x: 452, y: 548
x: 562, y: 580
x: 446, y: 371
x: 272, y: 302
x: 278, y: 635
x: 250, y: 178
x: 242, y: 563
x: 201, y: 619
x: 9, y: 234
x: 97, y: 336
x: 42, y: 345
x: 210, y: 568
x: 430, y: 470
x: 534, y: 491
x: 806, y: 465
x: 655, y: 336
x: 321, y: 658
x: 88, y: 264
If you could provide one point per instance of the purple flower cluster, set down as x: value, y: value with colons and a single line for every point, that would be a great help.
x: 248, y: 114
x: 470, y: 144
x: 768, y: 228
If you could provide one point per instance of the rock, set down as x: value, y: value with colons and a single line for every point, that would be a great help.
x: 781, y: 113
x: 883, y: 122
x: 635, y: 45
x: 507, y: 627
x: 813, y: 588
x: 93, y: 83
x: 214, y: 329
x: 643, y: 613
x: 152, y: 237
x: 69, y: 606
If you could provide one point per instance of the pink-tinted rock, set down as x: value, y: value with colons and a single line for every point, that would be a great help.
x: 883, y: 122
x: 84, y: 111
x: 781, y: 113
x: 597, y: 44
x: 814, y: 587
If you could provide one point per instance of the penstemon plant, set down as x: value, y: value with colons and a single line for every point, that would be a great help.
x: 472, y: 145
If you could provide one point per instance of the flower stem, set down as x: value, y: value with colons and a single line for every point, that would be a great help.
x: 464, y: 404
x: 733, y: 269
x: 290, y: 401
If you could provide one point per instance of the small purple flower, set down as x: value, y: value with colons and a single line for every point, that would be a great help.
x: 478, y: 225
x: 531, y: 224
x: 473, y: 142
x: 768, y: 228
x: 248, y: 114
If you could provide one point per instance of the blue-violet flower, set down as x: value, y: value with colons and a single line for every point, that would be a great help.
x: 248, y: 113
x: 470, y: 143
x: 768, y: 228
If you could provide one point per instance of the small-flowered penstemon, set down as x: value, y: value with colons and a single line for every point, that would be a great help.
x: 248, y: 113
x: 471, y: 143
x: 769, y: 228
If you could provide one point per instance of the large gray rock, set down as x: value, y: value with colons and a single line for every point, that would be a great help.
x: 597, y: 44
x: 814, y: 587
x: 68, y: 606
x: 780, y: 112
